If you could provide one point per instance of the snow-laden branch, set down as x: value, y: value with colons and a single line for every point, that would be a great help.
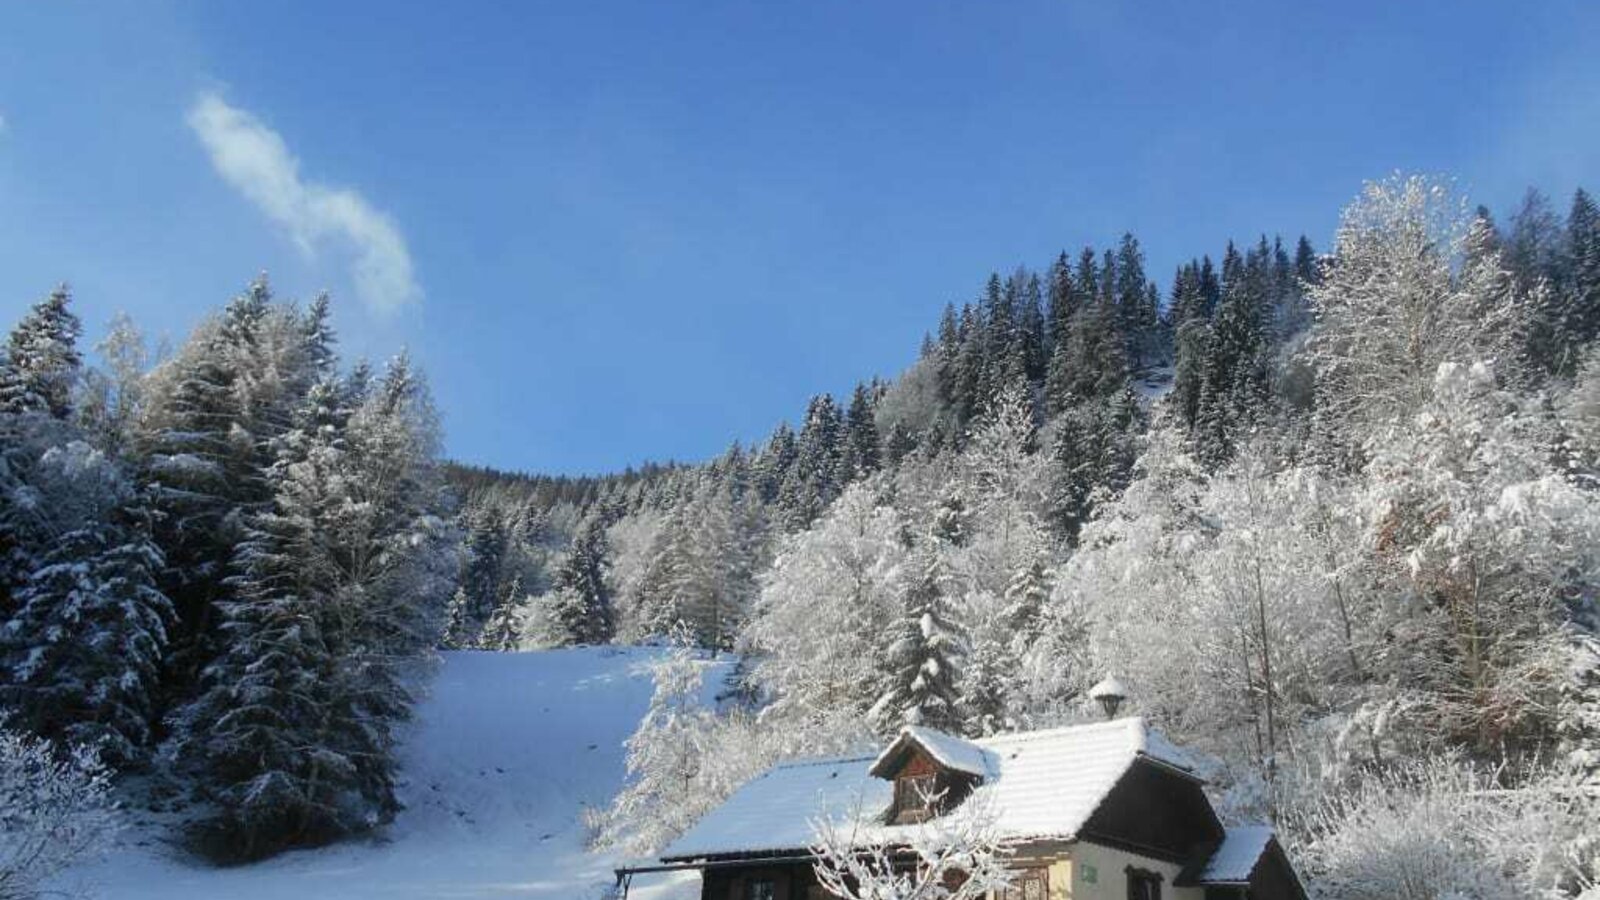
x: 958, y: 856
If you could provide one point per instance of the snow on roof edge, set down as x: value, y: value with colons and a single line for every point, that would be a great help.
x: 1236, y: 858
x: 948, y: 750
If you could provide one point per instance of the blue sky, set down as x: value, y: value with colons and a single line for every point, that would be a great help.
x: 620, y: 231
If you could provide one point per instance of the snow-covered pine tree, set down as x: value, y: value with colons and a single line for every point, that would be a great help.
x: 585, y: 611
x: 815, y: 478
x: 80, y: 658
x: 42, y: 361
x: 1026, y: 595
x: 862, y: 450
x: 457, y: 629
x: 260, y: 739
x: 212, y: 415
x: 1579, y: 325
x: 486, y: 550
x: 292, y: 737
x: 924, y: 650
x: 503, y: 631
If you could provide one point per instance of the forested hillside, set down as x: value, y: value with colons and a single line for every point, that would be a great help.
x: 1334, y: 519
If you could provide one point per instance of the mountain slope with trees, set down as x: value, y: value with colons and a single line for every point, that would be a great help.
x: 1334, y: 519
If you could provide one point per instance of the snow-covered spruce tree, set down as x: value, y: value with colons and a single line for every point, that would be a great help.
x: 211, y: 416
x: 43, y: 364
x: 585, y: 611
x: 56, y: 809
x: 292, y: 738
x: 503, y: 631
x: 39, y: 366
x: 457, y: 629
x: 81, y: 655
x: 82, y: 629
x: 924, y: 651
x: 486, y: 548
x: 815, y: 477
x: 1233, y: 389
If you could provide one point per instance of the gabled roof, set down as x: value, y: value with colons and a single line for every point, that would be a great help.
x: 947, y: 750
x: 1038, y: 784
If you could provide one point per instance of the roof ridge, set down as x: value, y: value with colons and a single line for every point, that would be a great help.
x: 809, y: 761
x: 1036, y: 734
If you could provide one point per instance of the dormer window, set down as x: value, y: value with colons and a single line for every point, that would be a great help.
x: 932, y: 772
x: 914, y: 797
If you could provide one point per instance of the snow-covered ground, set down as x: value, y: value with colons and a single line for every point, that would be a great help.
x: 507, y: 752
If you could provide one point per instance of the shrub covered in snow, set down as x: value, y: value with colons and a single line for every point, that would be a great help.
x: 55, y: 809
x: 1443, y: 829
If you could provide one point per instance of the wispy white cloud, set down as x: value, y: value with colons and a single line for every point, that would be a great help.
x: 2, y: 123
x: 255, y: 160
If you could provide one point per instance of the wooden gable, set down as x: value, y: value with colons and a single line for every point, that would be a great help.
x: 1157, y: 811
x: 916, y: 776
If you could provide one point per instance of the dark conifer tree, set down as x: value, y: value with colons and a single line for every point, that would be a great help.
x: 1579, y: 325
x: 862, y: 450
x: 1063, y: 303
x: 42, y: 361
x: 80, y: 660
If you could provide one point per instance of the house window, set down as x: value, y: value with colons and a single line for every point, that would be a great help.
x: 913, y: 797
x: 1143, y: 884
x: 1029, y: 884
x: 763, y: 889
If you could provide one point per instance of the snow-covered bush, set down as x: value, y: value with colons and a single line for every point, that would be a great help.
x: 55, y: 809
x: 1442, y: 829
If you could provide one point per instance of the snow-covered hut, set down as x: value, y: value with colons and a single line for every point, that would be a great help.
x: 1107, y: 810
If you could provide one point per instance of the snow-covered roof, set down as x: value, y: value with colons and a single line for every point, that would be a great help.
x: 1235, y: 858
x: 947, y: 750
x: 1037, y: 784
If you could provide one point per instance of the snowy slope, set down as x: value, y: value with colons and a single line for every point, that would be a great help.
x: 507, y: 752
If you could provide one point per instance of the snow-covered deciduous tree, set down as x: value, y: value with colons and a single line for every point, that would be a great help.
x: 824, y: 605
x: 1392, y: 307
x: 957, y: 856
x: 667, y: 759
x: 1484, y: 544
x: 56, y: 809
